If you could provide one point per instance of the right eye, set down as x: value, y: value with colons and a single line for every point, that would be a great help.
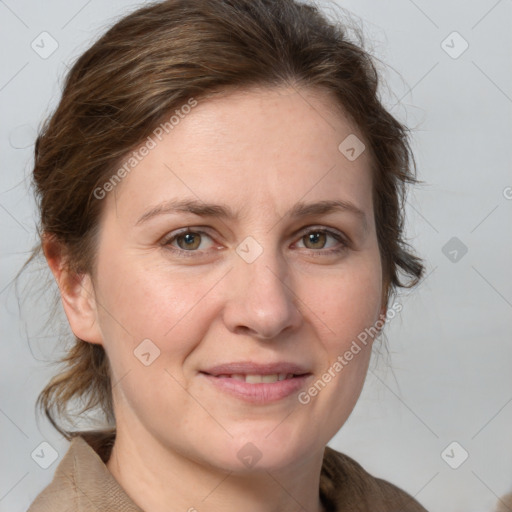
x: 187, y: 240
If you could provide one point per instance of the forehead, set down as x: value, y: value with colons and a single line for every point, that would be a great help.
x: 263, y: 148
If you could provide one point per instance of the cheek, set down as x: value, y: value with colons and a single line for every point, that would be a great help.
x: 139, y: 302
x: 351, y: 306
x: 348, y: 303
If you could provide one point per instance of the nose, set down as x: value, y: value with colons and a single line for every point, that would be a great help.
x: 262, y: 302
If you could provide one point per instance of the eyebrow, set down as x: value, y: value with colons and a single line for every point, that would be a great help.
x: 202, y: 209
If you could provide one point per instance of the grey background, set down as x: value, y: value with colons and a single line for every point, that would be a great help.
x: 450, y: 373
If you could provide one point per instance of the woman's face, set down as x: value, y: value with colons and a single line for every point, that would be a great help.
x: 255, y: 277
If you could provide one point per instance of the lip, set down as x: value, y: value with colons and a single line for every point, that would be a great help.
x: 248, y: 367
x: 263, y: 392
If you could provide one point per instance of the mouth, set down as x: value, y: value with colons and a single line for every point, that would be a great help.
x: 245, y: 368
x: 257, y: 383
x: 258, y: 379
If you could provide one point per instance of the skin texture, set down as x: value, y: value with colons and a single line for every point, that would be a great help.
x: 258, y: 151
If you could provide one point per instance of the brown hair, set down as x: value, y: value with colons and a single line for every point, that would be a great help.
x: 151, y: 62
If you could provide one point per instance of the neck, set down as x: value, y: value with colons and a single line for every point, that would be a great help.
x: 159, y: 480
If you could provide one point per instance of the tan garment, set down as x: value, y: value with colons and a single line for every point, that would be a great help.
x: 83, y: 483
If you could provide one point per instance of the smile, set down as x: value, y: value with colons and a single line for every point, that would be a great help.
x: 257, y: 379
x: 258, y: 388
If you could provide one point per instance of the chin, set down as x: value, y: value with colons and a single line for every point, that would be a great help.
x: 262, y: 449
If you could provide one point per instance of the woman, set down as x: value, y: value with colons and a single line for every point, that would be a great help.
x: 221, y: 206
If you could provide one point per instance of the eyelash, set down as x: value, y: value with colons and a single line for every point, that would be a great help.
x: 195, y: 253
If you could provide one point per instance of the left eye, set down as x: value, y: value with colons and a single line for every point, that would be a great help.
x: 317, y: 237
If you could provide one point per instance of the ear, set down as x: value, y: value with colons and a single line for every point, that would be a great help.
x: 383, y: 308
x: 76, y: 292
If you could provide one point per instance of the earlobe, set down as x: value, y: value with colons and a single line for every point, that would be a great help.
x: 76, y: 292
x: 381, y: 322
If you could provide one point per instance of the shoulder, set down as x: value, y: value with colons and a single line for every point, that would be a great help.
x: 81, y: 479
x: 348, y: 486
x: 60, y: 494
